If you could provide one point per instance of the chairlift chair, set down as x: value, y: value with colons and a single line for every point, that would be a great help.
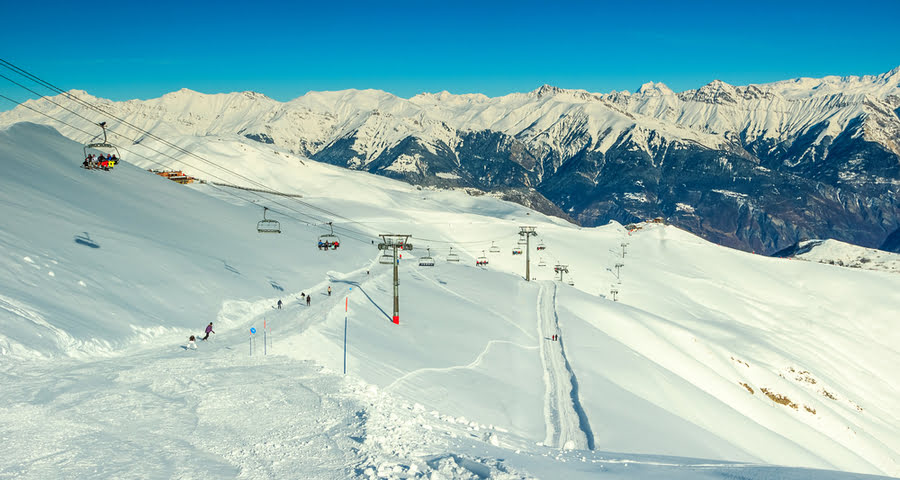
x: 541, y: 246
x: 482, y: 260
x: 105, y: 149
x: 268, y: 226
x: 452, y: 257
x: 570, y: 282
x: 330, y: 240
x: 386, y: 259
x: 522, y: 241
x: 517, y: 251
x: 542, y: 263
x: 494, y: 248
x: 427, y: 260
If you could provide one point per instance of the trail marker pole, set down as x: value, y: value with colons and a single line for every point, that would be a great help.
x: 346, y: 323
x: 252, y: 331
x: 265, y: 338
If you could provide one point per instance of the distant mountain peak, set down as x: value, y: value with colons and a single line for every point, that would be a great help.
x: 655, y: 89
x: 547, y: 90
x: 716, y: 91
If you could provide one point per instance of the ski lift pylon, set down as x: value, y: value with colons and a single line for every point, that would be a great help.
x: 268, y: 226
x: 330, y: 240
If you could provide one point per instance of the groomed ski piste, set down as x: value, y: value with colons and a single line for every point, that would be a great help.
x: 712, y: 363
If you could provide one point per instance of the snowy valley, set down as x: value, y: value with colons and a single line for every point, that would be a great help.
x: 676, y: 358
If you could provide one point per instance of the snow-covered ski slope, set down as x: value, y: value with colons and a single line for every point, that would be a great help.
x: 105, y: 274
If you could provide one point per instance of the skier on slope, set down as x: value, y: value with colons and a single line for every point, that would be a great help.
x: 191, y: 343
x: 279, y: 304
x: 308, y: 297
x: 208, y: 331
x: 329, y: 290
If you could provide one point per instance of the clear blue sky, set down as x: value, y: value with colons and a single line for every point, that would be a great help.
x: 122, y: 50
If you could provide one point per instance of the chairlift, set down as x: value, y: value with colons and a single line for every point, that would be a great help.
x: 541, y: 246
x: 523, y: 241
x: 268, y: 226
x: 386, y: 259
x: 517, y: 251
x: 452, y: 257
x: 570, y: 282
x: 482, y: 260
x: 427, y: 260
x: 107, y: 153
x: 494, y: 248
x: 542, y: 263
x: 330, y: 240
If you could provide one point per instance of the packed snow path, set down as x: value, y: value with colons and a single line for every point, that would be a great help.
x: 566, y: 427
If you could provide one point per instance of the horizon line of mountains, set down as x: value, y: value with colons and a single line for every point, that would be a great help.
x: 757, y: 167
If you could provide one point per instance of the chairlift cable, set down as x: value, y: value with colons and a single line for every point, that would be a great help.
x: 147, y: 133
x: 350, y: 233
x: 226, y: 191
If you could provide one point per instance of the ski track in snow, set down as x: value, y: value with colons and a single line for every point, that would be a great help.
x: 473, y: 364
x: 564, y: 424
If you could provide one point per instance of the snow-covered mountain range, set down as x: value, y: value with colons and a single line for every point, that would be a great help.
x: 757, y: 167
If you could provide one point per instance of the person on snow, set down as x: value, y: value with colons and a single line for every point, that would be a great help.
x: 308, y: 297
x: 329, y: 290
x: 191, y: 343
x: 208, y: 331
x: 279, y: 304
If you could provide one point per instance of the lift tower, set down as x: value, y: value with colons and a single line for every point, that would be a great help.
x: 527, y: 232
x: 394, y: 241
x: 561, y: 269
